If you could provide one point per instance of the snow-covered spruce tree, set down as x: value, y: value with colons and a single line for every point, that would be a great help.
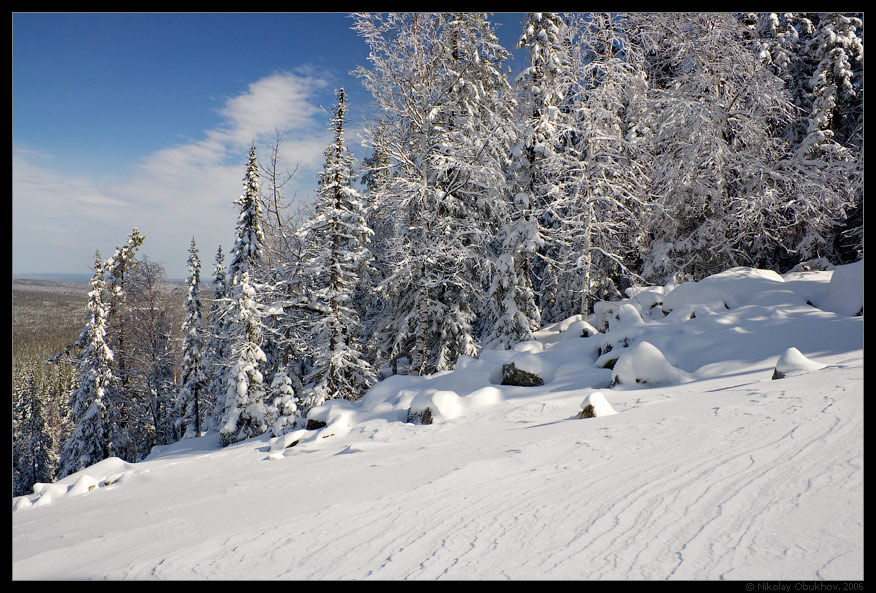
x: 90, y: 440
x: 386, y: 238
x: 713, y: 106
x: 512, y: 297
x: 599, y: 208
x: 34, y: 458
x: 290, y: 329
x: 338, y: 257
x: 216, y: 342
x: 285, y: 405
x: 546, y: 126
x: 190, y: 402
x: 247, y: 251
x: 836, y: 111
x: 436, y: 79
x: 61, y: 375
x: 405, y: 65
x: 834, y: 139
x: 118, y: 269
x: 819, y: 58
x: 478, y: 121
x: 243, y: 409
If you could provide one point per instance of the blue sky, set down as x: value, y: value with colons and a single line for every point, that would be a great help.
x: 123, y: 120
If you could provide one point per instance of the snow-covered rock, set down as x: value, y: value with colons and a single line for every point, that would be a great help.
x: 643, y: 365
x: 595, y: 405
x: 690, y: 297
x: 845, y: 294
x: 792, y: 361
x: 442, y: 404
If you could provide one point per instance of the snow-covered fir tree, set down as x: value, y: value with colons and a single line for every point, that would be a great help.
x: 835, y: 114
x: 118, y: 269
x: 247, y: 250
x: 834, y: 140
x: 386, y: 238
x: 404, y: 47
x: 821, y: 174
x: 437, y: 79
x: 243, y: 411
x: 90, y: 440
x: 338, y: 258
x: 713, y: 109
x: 284, y: 404
x: 546, y: 126
x: 191, y: 403
x: 216, y: 342
x: 34, y: 457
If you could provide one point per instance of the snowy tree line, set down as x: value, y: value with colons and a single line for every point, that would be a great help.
x: 631, y: 149
x: 118, y: 379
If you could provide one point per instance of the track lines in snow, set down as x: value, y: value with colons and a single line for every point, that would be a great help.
x: 722, y: 494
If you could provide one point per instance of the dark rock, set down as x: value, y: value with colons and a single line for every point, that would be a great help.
x: 587, y: 412
x: 609, y: 363
x: 314, y: 424
x: 511, y: 375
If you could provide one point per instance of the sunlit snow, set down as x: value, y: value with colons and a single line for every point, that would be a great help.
x: 708, y: 468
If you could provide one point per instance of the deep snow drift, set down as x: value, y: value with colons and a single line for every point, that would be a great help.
x: 708, y: 468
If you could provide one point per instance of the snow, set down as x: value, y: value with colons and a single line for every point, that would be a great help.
x: 845, y: 294
x: 645, y: 365
x: 598, y: 404
x: 792, y: 361
x: 707, y: 469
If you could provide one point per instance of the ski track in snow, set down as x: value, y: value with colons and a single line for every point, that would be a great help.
x: 724, y: 504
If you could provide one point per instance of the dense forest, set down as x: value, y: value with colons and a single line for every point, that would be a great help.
x: 633, y: 149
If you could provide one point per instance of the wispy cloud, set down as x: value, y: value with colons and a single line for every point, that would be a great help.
x: 173, y: 194
x: 283, y: 100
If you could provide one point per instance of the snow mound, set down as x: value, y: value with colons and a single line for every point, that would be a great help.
x: 598, y: 406
x: 579, y: 329
x: 109, y: 472
x: 534, y: 363
x: 643, y: 365
x: 649, y: 301
x: 845, y: 294
x: 337, y: 414
x: 573, y: 327
x: 443, y: 405
x: 696, y: 297
x: 793, y: 361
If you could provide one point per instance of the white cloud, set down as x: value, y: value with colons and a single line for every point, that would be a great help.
x: 173, y: 194
x: 280, y: 101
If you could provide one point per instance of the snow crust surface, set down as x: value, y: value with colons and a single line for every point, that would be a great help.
x: 707, y: 469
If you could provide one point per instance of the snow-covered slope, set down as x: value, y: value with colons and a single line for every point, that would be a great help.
x: 709, y: 469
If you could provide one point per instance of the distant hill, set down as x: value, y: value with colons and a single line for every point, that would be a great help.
x: 59, y: 277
